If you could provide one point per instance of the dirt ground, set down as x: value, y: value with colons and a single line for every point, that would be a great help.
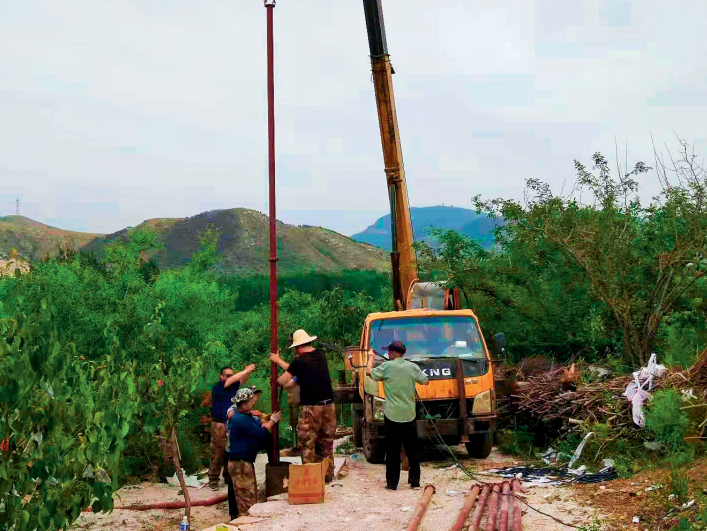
x: 356, y: 502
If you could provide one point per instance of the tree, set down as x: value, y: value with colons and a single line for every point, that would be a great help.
x: 170, y: 389
x: 63, y: 422
x: 639, y: 261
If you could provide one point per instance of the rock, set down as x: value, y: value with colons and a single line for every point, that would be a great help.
x: 270, y: 508
x: 599, y: 373
x: 245, y: 520
x: 277, y: 497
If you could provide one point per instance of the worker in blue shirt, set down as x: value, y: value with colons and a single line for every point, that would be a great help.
x: 247, y: 433
x: 221, y: 395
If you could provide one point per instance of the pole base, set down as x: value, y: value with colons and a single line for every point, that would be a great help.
x: 275, y: 476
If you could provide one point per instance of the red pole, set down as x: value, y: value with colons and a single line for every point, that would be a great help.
x: 269, y: 7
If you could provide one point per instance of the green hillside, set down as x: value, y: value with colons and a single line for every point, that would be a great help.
x: 244, y: 244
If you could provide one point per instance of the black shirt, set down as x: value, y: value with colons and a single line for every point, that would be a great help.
x: 312, y: 374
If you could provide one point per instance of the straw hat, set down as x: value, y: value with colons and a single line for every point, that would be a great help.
x: 300, y: 337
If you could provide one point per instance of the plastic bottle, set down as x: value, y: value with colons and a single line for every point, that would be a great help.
x: 185, y: 524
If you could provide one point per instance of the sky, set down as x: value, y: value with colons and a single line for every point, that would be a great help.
x: 117, y: 111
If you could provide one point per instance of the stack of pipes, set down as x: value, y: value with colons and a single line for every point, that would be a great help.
x: 500, y: 504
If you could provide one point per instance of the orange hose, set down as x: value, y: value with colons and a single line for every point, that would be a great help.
x: 169, y: 505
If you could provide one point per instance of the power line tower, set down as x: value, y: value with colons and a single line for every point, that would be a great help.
x: 17, y: 207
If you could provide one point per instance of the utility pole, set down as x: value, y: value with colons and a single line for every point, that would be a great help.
x: 17, y: 207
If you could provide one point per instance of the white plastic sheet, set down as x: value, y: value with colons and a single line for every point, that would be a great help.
x: 578, y: 451
x: 637, y: 391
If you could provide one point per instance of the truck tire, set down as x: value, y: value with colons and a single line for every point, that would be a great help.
x: 357, y: 423
x: 373, y: 448
x: 480, y: 445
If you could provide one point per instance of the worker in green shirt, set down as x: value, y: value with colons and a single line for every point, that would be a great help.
x: 399, y: 377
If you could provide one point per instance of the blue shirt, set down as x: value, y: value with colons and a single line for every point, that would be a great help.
x: 221, y: 399
x: 246, y: 436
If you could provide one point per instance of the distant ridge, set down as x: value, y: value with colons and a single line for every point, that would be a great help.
x: 463, y: 220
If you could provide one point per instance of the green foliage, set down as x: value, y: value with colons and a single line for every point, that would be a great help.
x: 679, y: 485
x: 516, y: 442
x: 64, y: 419
x: 683, y: 336
x: 667, y: 421
x: 346, y: 447
x: 633, y: 265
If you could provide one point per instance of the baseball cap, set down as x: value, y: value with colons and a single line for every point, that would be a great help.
x: 244, y: 394
x: 396, y: 346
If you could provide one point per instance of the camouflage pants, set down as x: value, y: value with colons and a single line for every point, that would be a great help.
x: 317, y: 427
x: 217, y: 448
x: 246, y: 487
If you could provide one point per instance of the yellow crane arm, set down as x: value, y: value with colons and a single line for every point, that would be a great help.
x: 403, y: 254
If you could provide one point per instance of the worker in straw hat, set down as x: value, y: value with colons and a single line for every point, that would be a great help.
x: 317, y: 423
x: 247, y: 434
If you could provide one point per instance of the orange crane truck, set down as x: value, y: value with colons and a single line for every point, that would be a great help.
x: 458, y: 405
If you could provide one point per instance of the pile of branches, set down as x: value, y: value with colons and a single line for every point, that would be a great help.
x: 559, y: 396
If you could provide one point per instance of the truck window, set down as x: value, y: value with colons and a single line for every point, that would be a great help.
x: 425, y: 336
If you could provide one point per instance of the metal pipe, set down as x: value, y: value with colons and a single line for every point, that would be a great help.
x: 506, y: 498
x: 493, y: 509
x: 517, y: 526
x: 466, y: 509
x: 421, y: 508
x: 476, y: 518
x: 269, y: 8
x: 461, y: 389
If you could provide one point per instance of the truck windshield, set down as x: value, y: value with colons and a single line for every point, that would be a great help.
x: 426, y: 336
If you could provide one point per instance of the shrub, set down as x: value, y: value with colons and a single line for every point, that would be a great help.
x: 516, y: 442
x: 667, y: 421
x: 679, y: 485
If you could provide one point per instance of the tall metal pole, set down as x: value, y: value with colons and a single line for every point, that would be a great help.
x: 269, y: 8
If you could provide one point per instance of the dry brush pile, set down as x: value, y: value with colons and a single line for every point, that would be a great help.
x: 561, y: 398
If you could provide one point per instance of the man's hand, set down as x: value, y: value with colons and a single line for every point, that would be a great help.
x: 250, y: 368
x: 256, y: 413
x: 277, y: 360
x: 275, y: 417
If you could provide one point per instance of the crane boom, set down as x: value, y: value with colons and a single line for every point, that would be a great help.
x: 403, y: 254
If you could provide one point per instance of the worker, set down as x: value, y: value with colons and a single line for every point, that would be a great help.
x: 221, y: 395
x: 232, y: 504
x: 399, y: 377
x: 317, y: 423
x: 247, y: 434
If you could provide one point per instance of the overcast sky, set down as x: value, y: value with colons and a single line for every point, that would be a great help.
x: 115, y: 111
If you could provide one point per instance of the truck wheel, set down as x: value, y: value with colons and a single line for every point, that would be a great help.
x: 373, y: 448
x: 480, y: 445
x: 357, y: 424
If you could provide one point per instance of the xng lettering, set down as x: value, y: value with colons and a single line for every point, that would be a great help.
x: 437, y: 372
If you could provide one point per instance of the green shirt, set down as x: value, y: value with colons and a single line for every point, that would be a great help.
x: 399, y: 377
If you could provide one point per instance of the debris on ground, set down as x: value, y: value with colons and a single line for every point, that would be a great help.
x: 557, y: 396
x: 554, y: 476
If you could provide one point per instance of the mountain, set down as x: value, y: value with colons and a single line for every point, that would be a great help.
x: 34, y: 240
x: 244, y: 244
x: 467, y: 222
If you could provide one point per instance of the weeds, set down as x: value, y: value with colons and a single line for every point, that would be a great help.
x: 517, y: 442
x: 346, y: 447
x: 679, y: 485
x: 667, y: 421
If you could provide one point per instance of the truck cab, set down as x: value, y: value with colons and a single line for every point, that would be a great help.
x: 458, y: 403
